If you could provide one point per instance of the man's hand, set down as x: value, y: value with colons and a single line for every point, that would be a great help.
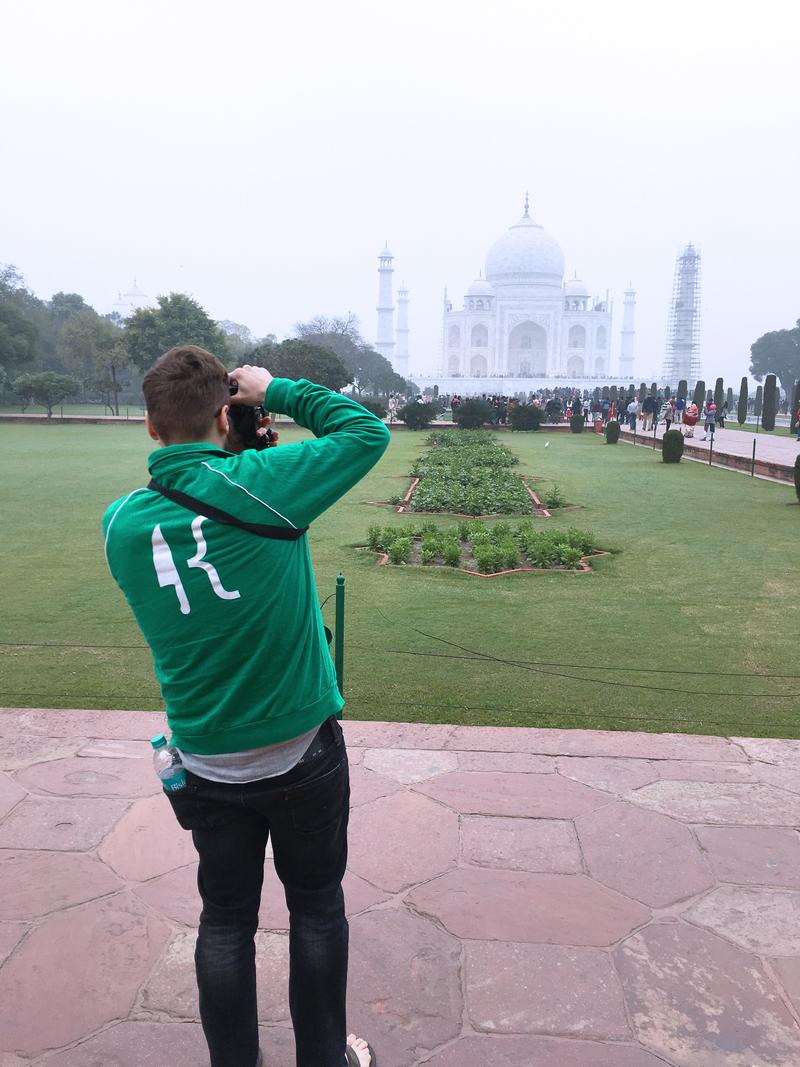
x: 253, y: 382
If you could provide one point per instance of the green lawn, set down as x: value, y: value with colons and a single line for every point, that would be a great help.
x: 73, y: 409
x: 704, y: 578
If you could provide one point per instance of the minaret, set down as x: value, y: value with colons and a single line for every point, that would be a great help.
x: 401, y: 353
x: 385, y: 342
x: 627, y: 335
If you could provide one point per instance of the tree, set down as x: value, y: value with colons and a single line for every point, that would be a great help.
x: 777, y: 352
x: 683, y: 389
x: 770, y: 402
x: 794, y: 404
x: 63, y: 306
x: 741, y: 411
x: 719, y: 392
x: 47, y: 388
x: 642, y: 391
x: 667, y: 392
x: 300, y: 359
x: 729, y: 398
x: 17, y: 336
x: 85, y: 345
x: 699, y: 395
x: 758, y: 402
x: 178, y: 320
x: 372, y: 372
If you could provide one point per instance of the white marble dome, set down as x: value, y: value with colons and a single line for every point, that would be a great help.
x: 575, y: 287
x: 526, y: 254
x: 480, y: 287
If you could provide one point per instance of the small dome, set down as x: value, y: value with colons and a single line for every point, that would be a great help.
x: 575, y: 287
x: 480, y: 287
x: 525, y: 254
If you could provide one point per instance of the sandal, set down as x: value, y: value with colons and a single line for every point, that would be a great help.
x: 352, y: 1058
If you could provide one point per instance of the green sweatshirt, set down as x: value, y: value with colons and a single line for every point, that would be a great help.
x: 233, y: 619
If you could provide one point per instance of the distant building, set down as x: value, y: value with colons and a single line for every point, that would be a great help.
x: 520, y: 322
x: 130, y: 301
x: 683, y: 333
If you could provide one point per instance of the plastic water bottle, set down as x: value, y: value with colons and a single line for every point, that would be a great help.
x: 168, y: 764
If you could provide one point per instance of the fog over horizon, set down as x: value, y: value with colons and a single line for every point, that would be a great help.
x: 258, y: 159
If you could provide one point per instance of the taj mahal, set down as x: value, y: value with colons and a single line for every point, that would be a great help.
x: 520, y: 321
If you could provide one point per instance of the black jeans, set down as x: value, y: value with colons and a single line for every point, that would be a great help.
x: 306, y: 812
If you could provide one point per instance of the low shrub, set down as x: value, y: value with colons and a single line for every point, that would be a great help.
x: 371, y: 405
x: 400, y: 550
x: 417, y: 416
x: 576, y: 423
x: 672, y: 446
x: 473, y: 414
x: 451, y: 553
x: 612, y: 432
x: 526, y: 417
x: 374, y: 539
x: 554, y: 498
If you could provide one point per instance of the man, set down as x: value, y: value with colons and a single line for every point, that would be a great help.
x: 633, y: 412
x: 649, y: 408
x: 232, y: 619
x: 709, y: 426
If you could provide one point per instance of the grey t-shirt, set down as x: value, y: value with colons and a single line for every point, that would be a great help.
x: 251, y: 765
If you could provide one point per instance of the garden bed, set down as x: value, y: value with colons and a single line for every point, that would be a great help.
x: 465, y: 472
x: 485, y: 549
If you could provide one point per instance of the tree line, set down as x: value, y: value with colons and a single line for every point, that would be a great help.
x: 59, y: 349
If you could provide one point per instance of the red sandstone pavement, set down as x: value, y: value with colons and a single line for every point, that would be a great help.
x: 769, y: 448
x: 517, y: 898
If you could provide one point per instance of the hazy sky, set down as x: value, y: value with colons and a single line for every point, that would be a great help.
x: 258, y: 155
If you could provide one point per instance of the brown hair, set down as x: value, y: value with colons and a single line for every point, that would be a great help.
x: 184, y: 391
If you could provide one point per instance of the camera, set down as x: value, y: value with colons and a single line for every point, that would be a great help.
x: 245, y: 422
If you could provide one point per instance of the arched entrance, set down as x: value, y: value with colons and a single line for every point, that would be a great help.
x: 527, y: 343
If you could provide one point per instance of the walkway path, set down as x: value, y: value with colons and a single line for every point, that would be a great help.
x: 518, y: 898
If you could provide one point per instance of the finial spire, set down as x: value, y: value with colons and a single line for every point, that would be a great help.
x: 527, y: 205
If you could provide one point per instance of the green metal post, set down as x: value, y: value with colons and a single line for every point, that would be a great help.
x: 753, y: 464
x: 339, y: 651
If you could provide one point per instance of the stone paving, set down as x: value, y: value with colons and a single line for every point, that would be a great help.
x: 517, y: 898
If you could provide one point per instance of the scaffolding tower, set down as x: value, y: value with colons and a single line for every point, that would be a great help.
x: 683, y: 333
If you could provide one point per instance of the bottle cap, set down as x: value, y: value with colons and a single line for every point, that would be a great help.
x: 158, y: 741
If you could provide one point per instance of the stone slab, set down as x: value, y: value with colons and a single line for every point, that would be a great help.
x: 91, y: 776
x: 172, y: 987
x: 11, y: 933
x: 543, y: 796
x: 779, y: 775
x: 771, y: 750
x: 35, y: 883
x: 17, y: 752
x: 404, y: 990
x: 75, y: 722
x: 106, y: 948
x: 594, y: 743
x: 645, y: 855
x: 700, y: 1002
x: 757, y: 855
x: 613, y: 775
x: 418, y: 840
x: 788, y: 972
x: 518, y: 762
x: 738, y: 803
x: 409, y: 765
x: 520, y: 844
x: 73, y: 824
x: 174, y: 895
x: 139, y: 1044
x: 764, y: 921
x: 10, y: 794
x: 103, y: 749
x: 530, y: 1051
x: 362, y: 734
x: 147, y: 841
x: 566, y: 909
x: 543, y: 989
x: 366, y: 785
x: 700, y: 771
